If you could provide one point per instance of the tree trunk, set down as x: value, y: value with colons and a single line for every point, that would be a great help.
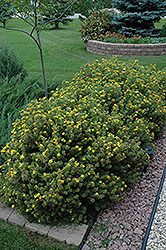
x: 42, y: 64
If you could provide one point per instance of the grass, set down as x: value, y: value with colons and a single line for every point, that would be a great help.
x: 13, y: 237
x: 64, y: 54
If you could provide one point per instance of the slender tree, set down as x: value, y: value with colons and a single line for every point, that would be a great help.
x: 138, y: 17
x: 31, y: 12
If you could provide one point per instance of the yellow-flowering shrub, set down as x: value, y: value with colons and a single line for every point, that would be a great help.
x: 81, y: 148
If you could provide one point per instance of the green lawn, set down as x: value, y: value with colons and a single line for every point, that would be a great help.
x: 64, y: 52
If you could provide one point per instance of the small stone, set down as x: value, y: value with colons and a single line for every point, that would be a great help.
x: 138, y: 231
x: 121, y: 236
x: 96, y: 234
x: 85, y: 247
x: 126, y: 240
x: 127, y: 226
x: 115, y: 235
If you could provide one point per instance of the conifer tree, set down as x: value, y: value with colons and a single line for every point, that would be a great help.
x: 138, y: 17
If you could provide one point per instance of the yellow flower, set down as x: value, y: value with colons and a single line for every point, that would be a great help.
x: 58, y: 154
x: 82, y: 176
x: 97, y: 194
x: 77, y: 180
x: 34, y: 171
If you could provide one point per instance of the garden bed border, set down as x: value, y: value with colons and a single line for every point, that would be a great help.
x: 121, y: 49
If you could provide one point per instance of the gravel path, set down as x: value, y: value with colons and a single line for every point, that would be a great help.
x: 123, y: 225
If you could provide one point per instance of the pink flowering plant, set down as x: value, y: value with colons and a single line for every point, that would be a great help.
x: 82, y: 147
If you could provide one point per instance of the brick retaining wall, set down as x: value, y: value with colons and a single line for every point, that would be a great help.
x: 120, y: 49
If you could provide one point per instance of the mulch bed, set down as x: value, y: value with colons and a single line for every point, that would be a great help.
x: 123, y: 225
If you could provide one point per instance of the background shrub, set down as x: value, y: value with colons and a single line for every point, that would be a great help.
x: 83, y: 146
x: 98, y: 22
x: 163, y: 33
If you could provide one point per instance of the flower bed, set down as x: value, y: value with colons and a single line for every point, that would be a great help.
x: 121, y: 49
x: 119, y: 38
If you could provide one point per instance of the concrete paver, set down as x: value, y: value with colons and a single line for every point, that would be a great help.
x: 75, y: 239
x: 71, y: 234
x: 39, y: 228
x: 60, y: 233
x: 5, y: 211
x: 17, y: 219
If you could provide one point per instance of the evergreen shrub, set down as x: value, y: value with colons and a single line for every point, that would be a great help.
x: 14, y: 96
x: 10, y: 66
x: 138, y: 17
x: 17, y: 89
x: 98, y: 22
x: 83, y: 146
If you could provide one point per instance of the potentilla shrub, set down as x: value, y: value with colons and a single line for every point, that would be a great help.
x: 83, y: 146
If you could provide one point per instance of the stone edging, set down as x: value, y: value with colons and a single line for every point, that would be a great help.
x: 121, y: 49
x: 71, y: 234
